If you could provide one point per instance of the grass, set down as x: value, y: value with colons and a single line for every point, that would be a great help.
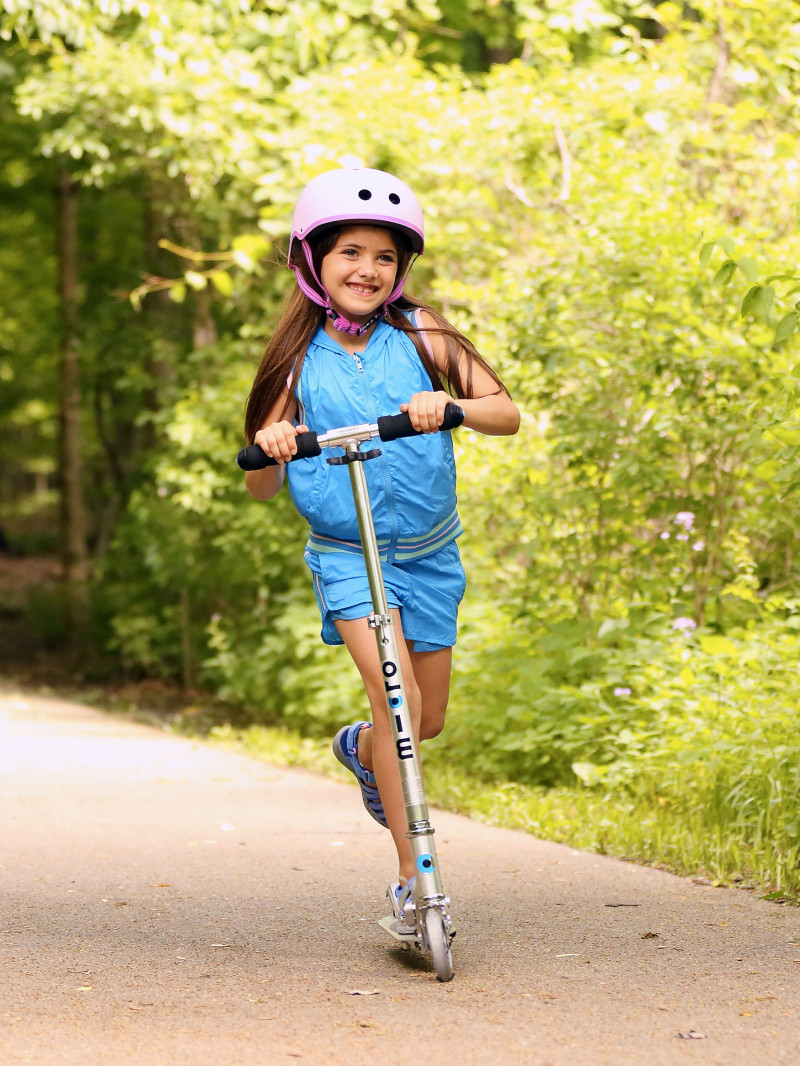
x: 635, y: 828
x: 697, y: 836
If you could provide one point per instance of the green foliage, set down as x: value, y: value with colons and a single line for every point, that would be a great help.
x: 609, y: 189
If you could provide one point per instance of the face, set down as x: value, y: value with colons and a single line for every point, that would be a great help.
x: 359, y: 271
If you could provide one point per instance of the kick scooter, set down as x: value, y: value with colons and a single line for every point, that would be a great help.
x: 432, y: 926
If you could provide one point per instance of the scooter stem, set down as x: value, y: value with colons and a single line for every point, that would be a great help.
x: 420, y: 832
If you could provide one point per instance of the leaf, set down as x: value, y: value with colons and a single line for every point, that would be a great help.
x: 705, y: 253
x: 727, y: 245
x: 589, y: 773
x: 782, y: 277
x: 197, y: 281
x: 763, y: 302
x: 612, y: 625
x: 758, y: 301
x: 242, y: 259
x: 786, y: 473
x: 222, y: 282
x: 724, y: 274
x: 753, y: 437
x: 786, y: 327
x: 713, y: 645
x: 749, y: 267
x: 750, y: 298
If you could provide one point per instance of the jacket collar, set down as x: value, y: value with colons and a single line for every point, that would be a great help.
x: 323, y: 340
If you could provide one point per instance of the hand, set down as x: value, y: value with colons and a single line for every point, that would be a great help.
x: 426, y: 410
x: 278, y: 440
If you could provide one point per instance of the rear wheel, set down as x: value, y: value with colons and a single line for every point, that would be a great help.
x: 439, y: 944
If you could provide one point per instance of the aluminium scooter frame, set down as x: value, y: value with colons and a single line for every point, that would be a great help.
x: 434, y: 928
x: 429, y: 891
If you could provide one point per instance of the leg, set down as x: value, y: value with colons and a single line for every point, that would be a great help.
x: 432, y: 671
x: 376, y: 746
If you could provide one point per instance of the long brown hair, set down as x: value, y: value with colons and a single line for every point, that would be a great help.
x: 301, y: 318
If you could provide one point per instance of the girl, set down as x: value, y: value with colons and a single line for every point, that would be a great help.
x: 348, y: 348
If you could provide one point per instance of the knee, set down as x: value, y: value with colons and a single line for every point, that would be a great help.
x: 380, y: 713
x: 429, y: 730
x: 432, y: 721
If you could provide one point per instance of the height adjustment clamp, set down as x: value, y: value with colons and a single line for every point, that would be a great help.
x: 353, y: 457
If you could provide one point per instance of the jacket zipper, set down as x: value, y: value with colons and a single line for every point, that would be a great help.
x: 387, y: 483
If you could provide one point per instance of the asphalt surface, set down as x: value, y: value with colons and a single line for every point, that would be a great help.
x: 167, y: 902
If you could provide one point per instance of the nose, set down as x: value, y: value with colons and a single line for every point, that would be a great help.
x: 367, y: 269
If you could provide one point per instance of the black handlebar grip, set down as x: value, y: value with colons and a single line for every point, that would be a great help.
x: 255, y: 458
x: 393, y: 427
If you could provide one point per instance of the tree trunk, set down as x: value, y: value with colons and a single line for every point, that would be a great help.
x: 72, y: 503
x: 164, y: 315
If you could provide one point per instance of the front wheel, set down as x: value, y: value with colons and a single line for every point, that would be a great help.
x: 439, y: 944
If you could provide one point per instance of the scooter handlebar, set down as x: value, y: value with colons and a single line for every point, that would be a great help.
x: 390, y: 427
x: 393, y: 427
x: 254, y: 457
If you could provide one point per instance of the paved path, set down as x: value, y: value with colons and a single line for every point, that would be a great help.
x: 166, y: 902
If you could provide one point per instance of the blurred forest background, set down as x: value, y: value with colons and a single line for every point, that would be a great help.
x: 611, y: 197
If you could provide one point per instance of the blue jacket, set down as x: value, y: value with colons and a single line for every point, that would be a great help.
x: 412, y: 486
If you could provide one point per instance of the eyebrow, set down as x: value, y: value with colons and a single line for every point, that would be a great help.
x: 362, y: 247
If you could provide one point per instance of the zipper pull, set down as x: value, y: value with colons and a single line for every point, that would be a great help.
x: 359, y: 364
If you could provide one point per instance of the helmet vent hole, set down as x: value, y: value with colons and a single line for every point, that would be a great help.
x: 394, y: 198
x: 364, y: 194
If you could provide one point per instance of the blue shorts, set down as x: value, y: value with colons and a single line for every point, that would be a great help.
x: 427, y: 592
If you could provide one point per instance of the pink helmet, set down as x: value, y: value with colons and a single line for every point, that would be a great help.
x: 370, y: 196
x: 336, y: 197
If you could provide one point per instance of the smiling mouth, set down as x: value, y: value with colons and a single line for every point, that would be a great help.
x: 363, y: 290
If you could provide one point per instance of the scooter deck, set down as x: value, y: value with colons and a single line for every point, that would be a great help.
x: 389, y: 923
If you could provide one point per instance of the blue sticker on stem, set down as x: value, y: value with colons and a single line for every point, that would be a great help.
x: 425, y: 864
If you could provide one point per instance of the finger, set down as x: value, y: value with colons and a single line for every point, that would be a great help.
x: 290, y: 446
x: 281, y: 449
x: 268, y: 446
x: 430, y: 422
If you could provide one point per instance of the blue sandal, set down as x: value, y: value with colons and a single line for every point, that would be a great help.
x: 403, y: 906
x: 345, y: 748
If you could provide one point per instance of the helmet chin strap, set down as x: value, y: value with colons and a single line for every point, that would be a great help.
x: 354, y: 329
x: 340, y: 323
